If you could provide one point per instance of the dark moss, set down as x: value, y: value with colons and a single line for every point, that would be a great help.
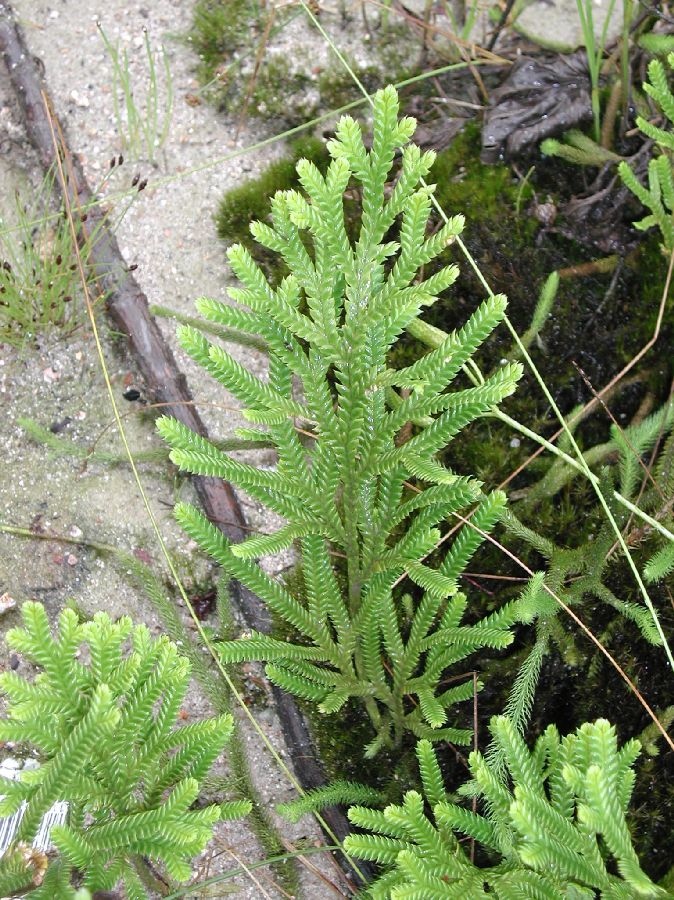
x: 341, y: 738
x: 480, y: 192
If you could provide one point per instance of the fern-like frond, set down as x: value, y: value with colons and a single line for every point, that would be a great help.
x: 658, y: 198
x: 263, y: 647
x: 128, y: 776
x: 338, y: 417
x: 337, y: 792
x: 541, y: 850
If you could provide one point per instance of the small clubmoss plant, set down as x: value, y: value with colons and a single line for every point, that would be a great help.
x: 368, y: 488
x: 583, y: 574
x: 104, y: 730
x: 658, y: 197
x: 555, y: 824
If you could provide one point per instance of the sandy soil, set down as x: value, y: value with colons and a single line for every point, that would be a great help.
x: 169, y: 234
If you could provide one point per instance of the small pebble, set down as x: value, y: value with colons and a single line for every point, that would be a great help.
x: 546, y: 213
x: 58, y: 426
x: 51, y: 375
x: 79, y: 99
x: 6, y: 603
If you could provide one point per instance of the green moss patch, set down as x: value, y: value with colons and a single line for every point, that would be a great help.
x: 482, y: 193
x: 219, y: 29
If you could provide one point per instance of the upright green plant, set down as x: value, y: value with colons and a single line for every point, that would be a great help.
x: 142, y: 124
x: 368, y: 488
x: 38, y: 277
x: 553, y: 824
x: 463, y: 16
x: 658, y: 197
x: 105, y: 733
x: 595, y: 53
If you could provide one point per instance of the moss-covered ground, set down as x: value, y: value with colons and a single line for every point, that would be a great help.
x: 248, y: 64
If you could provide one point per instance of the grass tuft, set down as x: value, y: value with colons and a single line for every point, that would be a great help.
x: 38, y: 272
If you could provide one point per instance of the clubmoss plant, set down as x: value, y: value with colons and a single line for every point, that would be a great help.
x: 579, y: 149
x: 105, y: 733
x: 250, y: 200
x: 553, y: 824
x: 368, y: 489
x: 658, y: 196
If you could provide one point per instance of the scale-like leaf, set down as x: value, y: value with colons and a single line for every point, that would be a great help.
x: 114, y: 754
x: 347, y: 441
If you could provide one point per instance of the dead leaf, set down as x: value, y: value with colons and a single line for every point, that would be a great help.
x: 540, y: 98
